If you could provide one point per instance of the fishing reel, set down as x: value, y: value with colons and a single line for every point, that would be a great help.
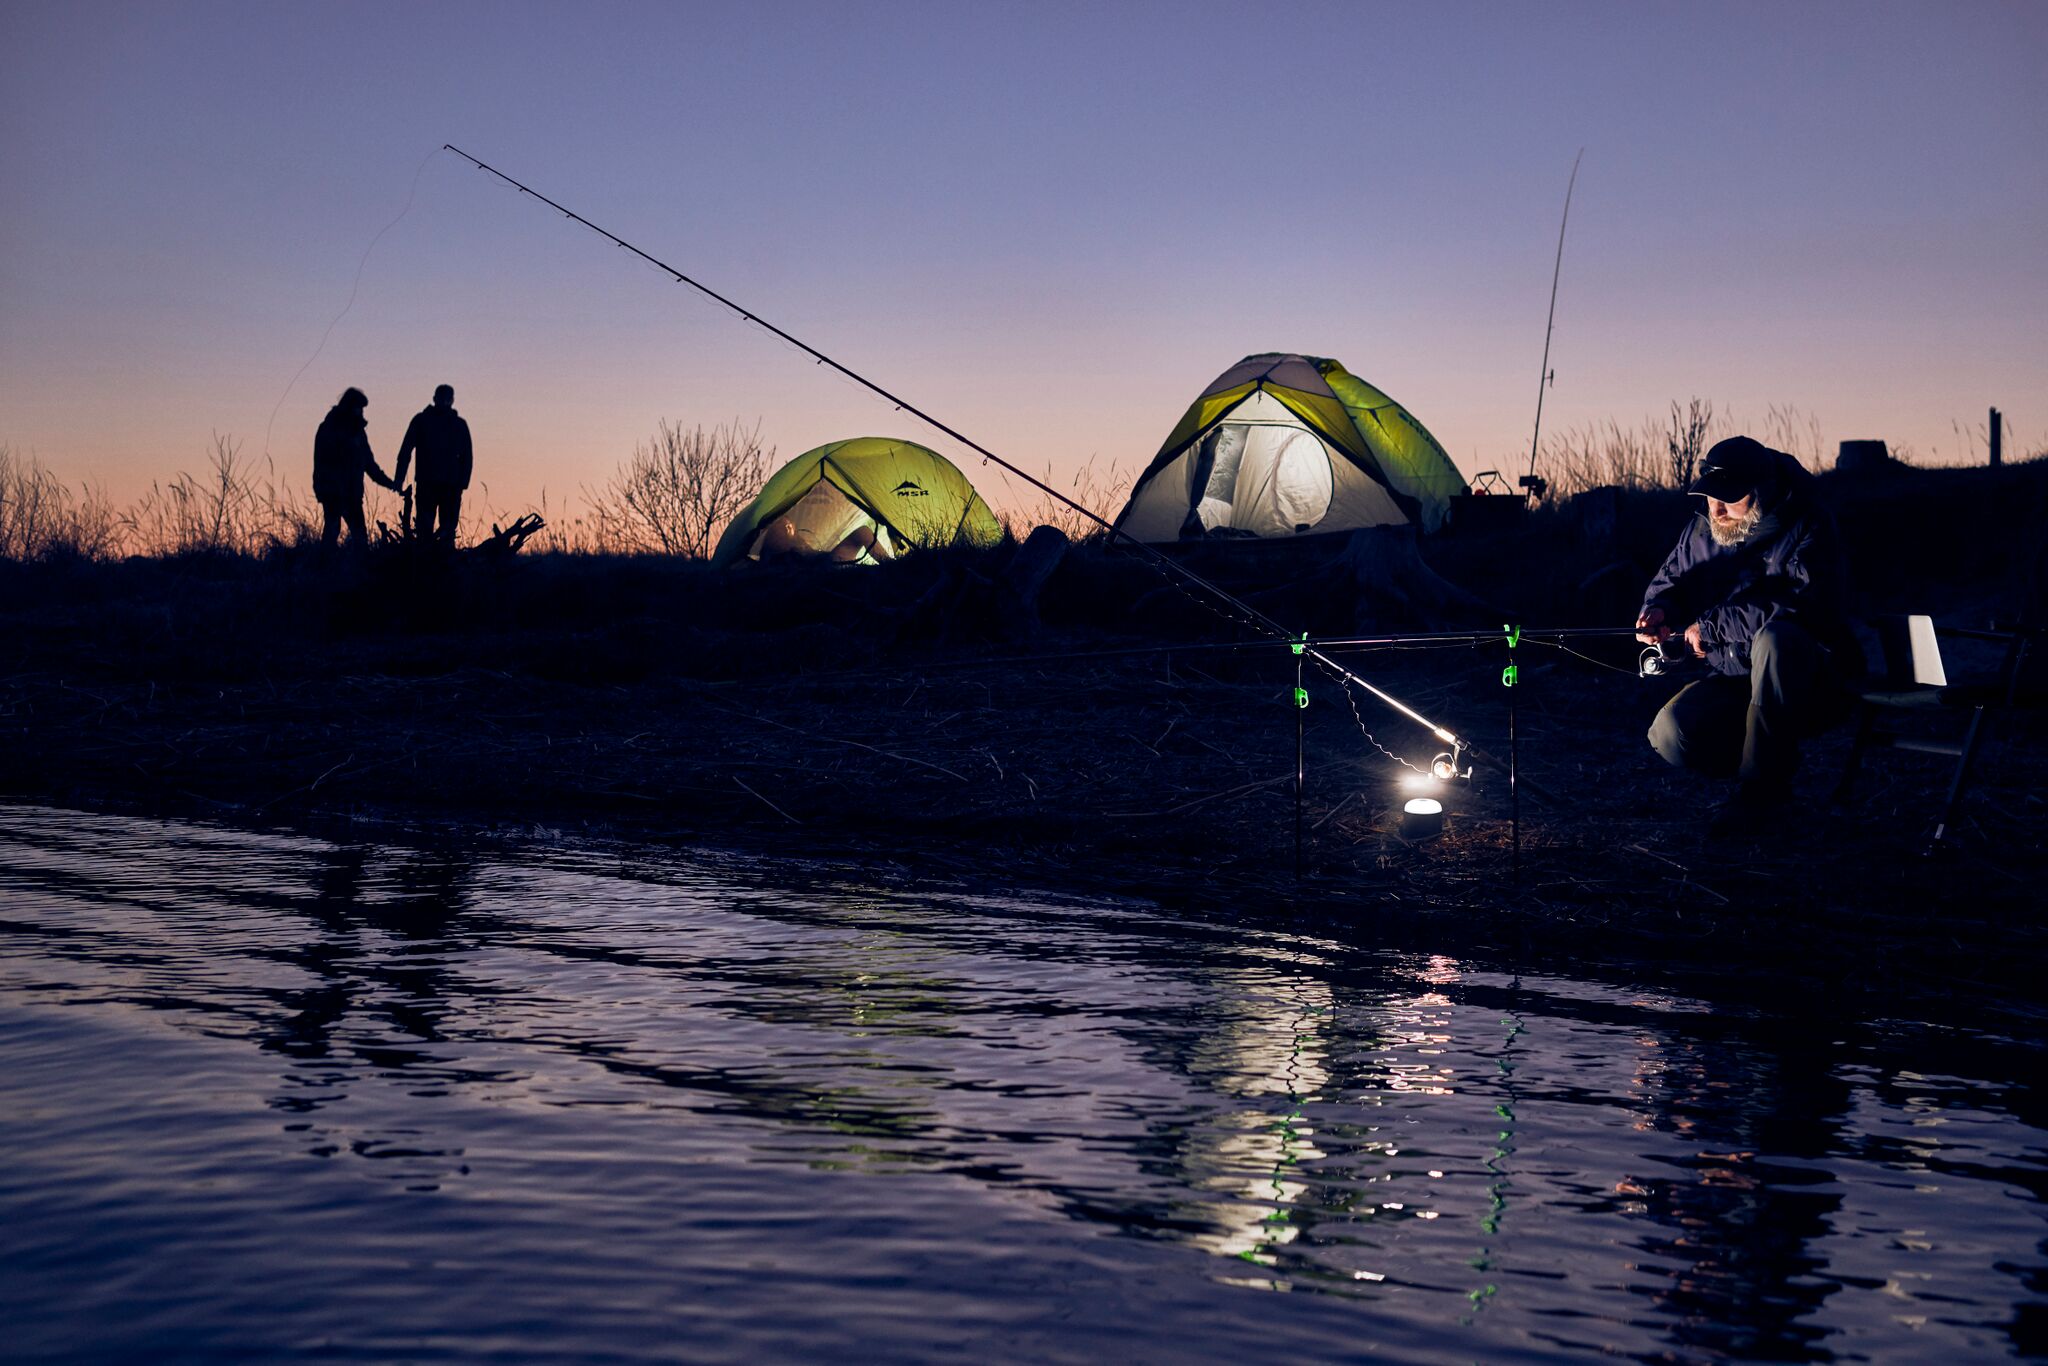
x: 1663, y: 659
x: 1444, y: 768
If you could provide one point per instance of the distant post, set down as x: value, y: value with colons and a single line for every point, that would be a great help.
x: 1997, y: 446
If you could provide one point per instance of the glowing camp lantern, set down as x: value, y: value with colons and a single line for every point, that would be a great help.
x: 1422, y: 817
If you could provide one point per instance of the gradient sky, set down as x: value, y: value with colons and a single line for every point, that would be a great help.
x: 1049, y: 224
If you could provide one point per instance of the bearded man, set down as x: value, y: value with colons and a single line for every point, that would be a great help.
x: 1755, y: 586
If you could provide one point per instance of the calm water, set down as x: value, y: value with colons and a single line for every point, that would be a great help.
x: 272, y: 1098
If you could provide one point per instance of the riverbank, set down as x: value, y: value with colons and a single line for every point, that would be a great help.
x: 1101, y: 742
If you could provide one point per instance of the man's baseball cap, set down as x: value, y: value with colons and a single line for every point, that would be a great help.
x: 1734, y: 469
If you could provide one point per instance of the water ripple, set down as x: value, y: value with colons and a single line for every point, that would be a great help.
x: 270, y: 1096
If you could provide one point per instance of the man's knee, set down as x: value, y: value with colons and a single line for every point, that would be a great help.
x: 1667, y: 738
x: 1780, y: 643
x: 1786, y: 663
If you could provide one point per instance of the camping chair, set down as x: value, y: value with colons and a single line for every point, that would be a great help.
x: 1894, y: 711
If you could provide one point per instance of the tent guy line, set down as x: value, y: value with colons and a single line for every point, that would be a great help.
x: 1251, y: 615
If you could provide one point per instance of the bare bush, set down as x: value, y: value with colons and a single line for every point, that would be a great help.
x: 680, y: 489
x: 1101, y: 492
x: 1685, y: 440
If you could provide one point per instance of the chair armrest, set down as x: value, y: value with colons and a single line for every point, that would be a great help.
x: 1968, y: 633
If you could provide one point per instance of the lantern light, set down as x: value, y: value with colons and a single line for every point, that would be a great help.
x: 1422, y: 817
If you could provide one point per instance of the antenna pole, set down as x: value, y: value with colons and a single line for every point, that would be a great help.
x: 1550, y: 320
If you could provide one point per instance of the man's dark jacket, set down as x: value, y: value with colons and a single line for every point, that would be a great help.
x: 442, y: 439
x: 341, y: 456
x: 1790, y: 569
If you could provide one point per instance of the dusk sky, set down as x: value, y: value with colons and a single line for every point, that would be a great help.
x: 1050, y: 225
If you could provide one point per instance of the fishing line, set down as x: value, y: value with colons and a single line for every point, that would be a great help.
x: 1550, y: 320
x: 1580, y: 654
x: 1245, y: 612
x: 360, y: 265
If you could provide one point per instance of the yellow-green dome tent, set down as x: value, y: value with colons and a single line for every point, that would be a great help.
x: 1286, y: 445
x: 873, y: 496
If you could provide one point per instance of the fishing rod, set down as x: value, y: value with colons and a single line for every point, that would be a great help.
x: 1414, y: 639
x: 1250, y: 615
x: 1550, y: 321
x: 1426, y: 637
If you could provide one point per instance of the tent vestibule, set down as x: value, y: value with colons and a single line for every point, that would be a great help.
x: 1286, y: 445
x: 860, y: 501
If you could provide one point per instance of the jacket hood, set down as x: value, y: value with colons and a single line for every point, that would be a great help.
x: 346, y: 417
x: 1791, y: 482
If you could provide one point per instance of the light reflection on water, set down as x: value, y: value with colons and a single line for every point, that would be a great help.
x: 270, y: 1096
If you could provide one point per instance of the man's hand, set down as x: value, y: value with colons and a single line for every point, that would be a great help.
x: 1650, y: 627
x: 1692, y: 638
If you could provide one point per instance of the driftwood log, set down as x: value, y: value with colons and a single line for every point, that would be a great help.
x: 505, y: 541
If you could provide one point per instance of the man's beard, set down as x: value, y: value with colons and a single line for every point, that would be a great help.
x: 1734, y: 530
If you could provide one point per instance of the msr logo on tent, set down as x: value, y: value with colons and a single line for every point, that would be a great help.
x: 909, y: 489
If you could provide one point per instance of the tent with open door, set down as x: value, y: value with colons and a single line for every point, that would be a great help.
x: 1286, y: 445
x: 860, y: 501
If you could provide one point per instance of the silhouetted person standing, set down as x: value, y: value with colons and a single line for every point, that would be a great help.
x: 341, y: 457
x: 441, y: 437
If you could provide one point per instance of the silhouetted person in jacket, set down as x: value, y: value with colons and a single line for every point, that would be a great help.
x: 1755, y: 585
x: 341, y: 457
x: 440, y: 436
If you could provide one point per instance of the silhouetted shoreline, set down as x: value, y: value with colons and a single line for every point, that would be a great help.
x: 834, y: 714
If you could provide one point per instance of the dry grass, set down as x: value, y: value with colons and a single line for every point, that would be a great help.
x: 1664, y: 452
x: 232, y: 508
x: 678, y: 491
x: 1101, y: 491
x: 41, y: 516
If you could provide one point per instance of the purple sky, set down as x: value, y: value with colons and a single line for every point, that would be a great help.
x: 1049, y: 224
